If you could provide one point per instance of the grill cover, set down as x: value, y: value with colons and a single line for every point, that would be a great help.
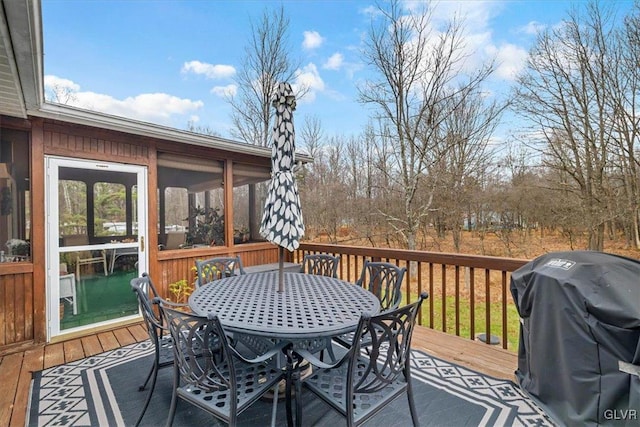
x: 580, y: 316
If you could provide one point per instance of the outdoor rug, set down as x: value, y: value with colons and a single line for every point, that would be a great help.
x: 102, y: 390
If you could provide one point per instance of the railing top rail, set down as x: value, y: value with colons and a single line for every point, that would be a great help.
x: 463, y: 260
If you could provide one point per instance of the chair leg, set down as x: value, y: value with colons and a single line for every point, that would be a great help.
x: 412, y: 406
x: 298, y: 402
x: 174, y: 396
x: 154, y: 370
x: 287, y: 389
x: 153, y: 375
x: 143, y: 386
x: 274, y: 408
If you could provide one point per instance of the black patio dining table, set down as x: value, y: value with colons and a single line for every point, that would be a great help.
x: 312, y: 308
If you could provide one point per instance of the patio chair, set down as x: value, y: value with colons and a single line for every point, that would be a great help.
x: 86, y: 257
x: 321, y: 264
x: 384, y: 280
x: 360, y: 385
x: 222, y: 382
x: 158, y: 333
x: 174, y: 240
x: 212, y: 269
x: 68, y: 290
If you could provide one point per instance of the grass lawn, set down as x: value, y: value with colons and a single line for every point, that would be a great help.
x: 513, y: 320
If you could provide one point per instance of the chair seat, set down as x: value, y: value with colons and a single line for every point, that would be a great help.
x: 252, y: 382
x: 329, y: 384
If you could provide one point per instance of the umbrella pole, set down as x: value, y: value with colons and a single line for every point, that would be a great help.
x: 280, y: 269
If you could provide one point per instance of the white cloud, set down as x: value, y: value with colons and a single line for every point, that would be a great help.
x: 225, y: 91
x: 370, y: 11
x: 476, y: 14
x: 479, y: 42
x: 510, y: 59
x: 55, y: 81
x: 309, y: 77
x: 312, y: 40
x: 532, y: 28
x: 150, y: 107
x: 210, y: 71
x: 153, y: 107
x: 334, y: 62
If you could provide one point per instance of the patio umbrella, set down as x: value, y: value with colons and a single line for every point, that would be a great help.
x: 282, y: 218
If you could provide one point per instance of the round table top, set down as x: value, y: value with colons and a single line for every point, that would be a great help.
x: 310, y: 306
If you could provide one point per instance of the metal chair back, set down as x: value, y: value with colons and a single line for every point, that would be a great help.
x: 321, y: 264
x: 211, y: 374
x: 370, y: 380
x: 145, y: 292
x: 158, y: 334
x: 212, y: 269
x: 384, y: 280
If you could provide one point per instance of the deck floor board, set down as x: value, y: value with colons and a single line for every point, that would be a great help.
x: 73, y: 350
x: 108, y: 341
x: 32, y: 361
x: 124, y: 337
x: 91, y: 345
x: 9, y: 378
x: 53, y: 355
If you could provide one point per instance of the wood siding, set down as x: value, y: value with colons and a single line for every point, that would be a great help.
x: 81, y: 142
x: 16, y: 306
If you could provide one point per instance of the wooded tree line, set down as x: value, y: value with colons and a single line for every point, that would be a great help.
x: 425, y: 164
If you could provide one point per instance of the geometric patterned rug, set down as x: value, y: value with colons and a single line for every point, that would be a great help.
x: 102, y: 390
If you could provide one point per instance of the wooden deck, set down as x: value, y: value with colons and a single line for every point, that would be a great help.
x: 16, y: 368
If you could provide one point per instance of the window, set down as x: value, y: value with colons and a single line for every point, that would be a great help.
x: 191, y: 202
x: 15, y: 203
x: 250, y: 185
x: 73, y: 207
x: 110, y: 210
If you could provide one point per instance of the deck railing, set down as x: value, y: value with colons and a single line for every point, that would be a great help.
x: 468, y: 294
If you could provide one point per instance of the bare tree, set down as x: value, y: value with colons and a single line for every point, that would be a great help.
x: 60, y: 94
x: 466, y: 133
x: 310, y: 135
x: 563, y: 91
x: 323, y: 190
x: 420, y: 81
x: 205, y: 130
x: 267, y: 62
x: 624, y: 98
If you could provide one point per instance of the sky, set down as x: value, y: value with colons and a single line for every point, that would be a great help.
x: 172, y: 62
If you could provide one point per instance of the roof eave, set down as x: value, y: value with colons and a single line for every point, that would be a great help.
x: 79, y: 116
x: 23, y: 28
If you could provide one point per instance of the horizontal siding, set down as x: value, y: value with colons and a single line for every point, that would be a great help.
x: 100, y: 145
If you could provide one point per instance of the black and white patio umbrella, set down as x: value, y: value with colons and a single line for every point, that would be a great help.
x: 282, y: 218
